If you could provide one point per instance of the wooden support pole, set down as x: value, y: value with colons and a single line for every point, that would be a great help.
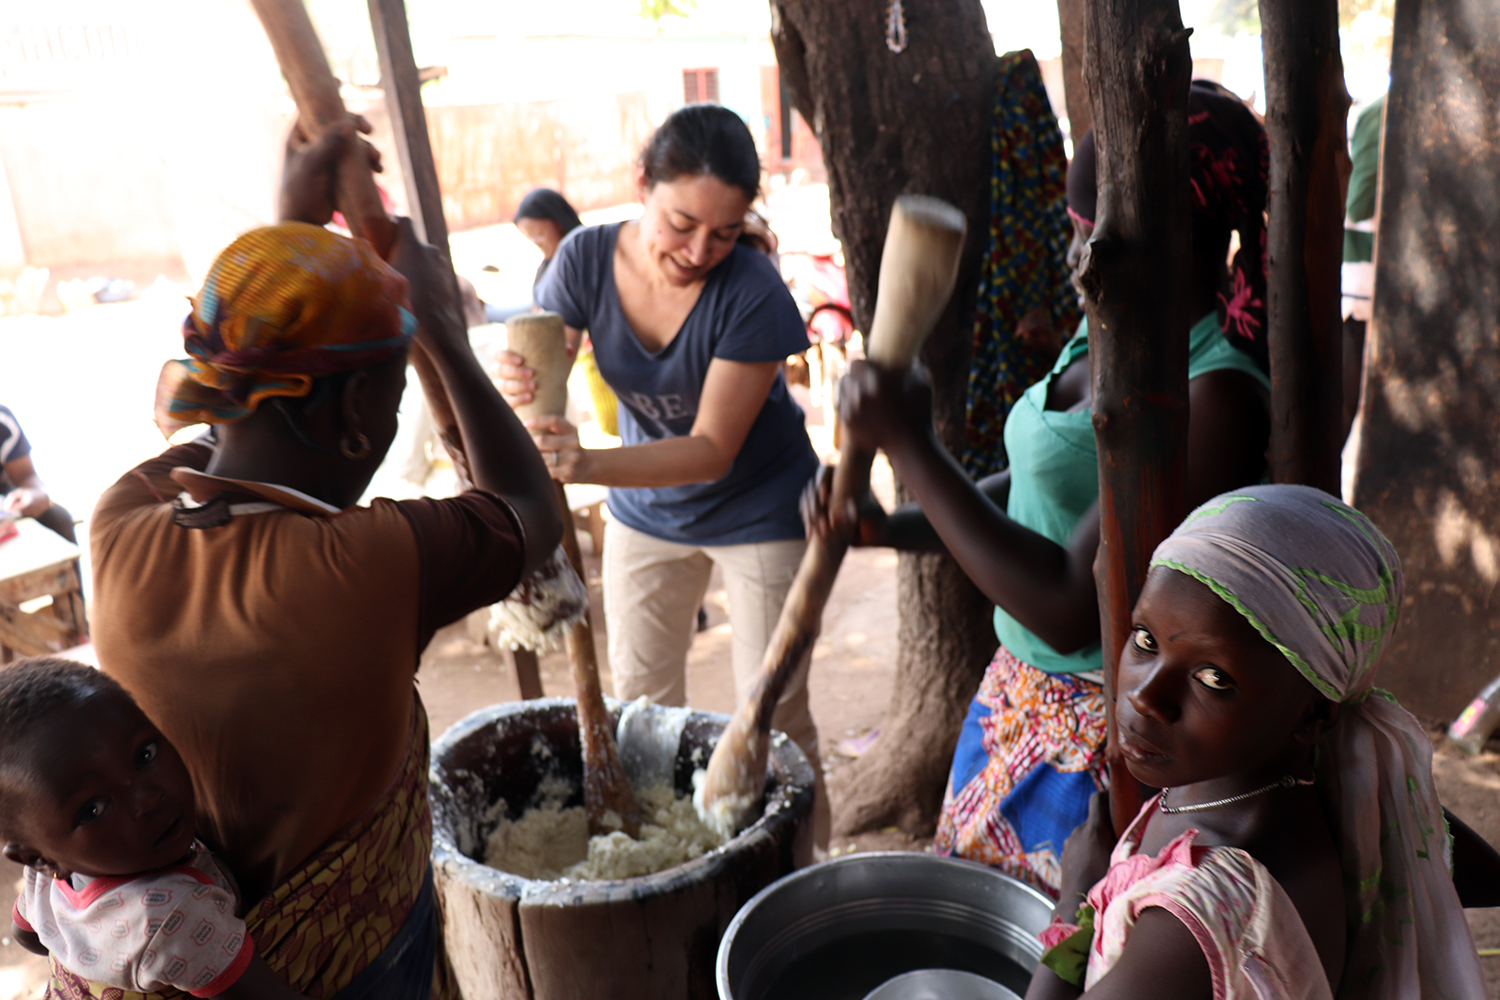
x: 403, y: 102
x: 1135, y: 281
x: 1070, y: 22
x: 1306, y: 108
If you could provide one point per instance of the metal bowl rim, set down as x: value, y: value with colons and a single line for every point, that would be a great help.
x: 721, y: 960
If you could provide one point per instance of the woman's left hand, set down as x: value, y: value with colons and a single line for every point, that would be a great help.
x: 557, y: 440
x: 309, y: 172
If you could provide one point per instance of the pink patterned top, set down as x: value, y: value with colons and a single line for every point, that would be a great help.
x: 175, y: 927
x: 1255, y: 942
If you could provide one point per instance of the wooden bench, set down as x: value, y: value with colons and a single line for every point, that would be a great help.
x: 41, y: 600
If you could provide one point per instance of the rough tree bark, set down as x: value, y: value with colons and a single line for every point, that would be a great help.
x: 1070, y: 18
x: 890, y: 123
x: 1134, y: 277
x: 1306, y: 108
x: 1428, y: 465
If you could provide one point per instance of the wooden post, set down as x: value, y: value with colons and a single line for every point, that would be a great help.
x: 403, y: 102
x: 1427, y: 469
x: 1070, y: 18
x: 1306, y: 108
x: 1134, y: 277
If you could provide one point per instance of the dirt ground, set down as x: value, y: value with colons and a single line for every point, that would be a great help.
x: 854, y: 660
x: 850, y: 685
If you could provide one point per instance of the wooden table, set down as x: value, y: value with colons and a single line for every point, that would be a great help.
x: 35, y: 565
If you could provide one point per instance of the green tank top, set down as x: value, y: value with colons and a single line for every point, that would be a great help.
x: 1054, y: 472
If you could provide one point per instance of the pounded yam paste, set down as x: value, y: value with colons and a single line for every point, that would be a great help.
x: 549, y: 842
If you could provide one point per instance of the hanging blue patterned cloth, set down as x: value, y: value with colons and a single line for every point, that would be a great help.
x: 1025, y: 267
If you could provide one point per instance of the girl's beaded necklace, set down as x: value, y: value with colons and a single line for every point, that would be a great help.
x: 1285, y: 781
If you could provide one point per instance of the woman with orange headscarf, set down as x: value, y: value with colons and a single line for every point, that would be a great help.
x: 270, y: 626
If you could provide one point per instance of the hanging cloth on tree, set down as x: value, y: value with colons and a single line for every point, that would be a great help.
x: 1025, y: 265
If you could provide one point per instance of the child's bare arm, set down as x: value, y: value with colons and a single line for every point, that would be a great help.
x: 259, y: 982
x: 1161, y: 959
x: 27, y: 939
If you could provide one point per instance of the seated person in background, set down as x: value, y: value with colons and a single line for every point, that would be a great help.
x: 99, y: 808
x: 544, y: 217
x: 21, y: 489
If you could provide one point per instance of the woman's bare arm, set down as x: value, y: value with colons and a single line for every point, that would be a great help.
x: 501, y: 456
x: 732, y: 397
x: 30, y: 493
x: 1048, y: 588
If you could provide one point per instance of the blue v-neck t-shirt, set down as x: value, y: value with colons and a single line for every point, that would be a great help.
x: 744, y: 313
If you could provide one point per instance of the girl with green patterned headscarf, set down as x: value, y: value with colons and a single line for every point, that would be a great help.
x: 1246, y: 693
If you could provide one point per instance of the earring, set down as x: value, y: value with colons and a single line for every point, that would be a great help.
x: 354, y: 446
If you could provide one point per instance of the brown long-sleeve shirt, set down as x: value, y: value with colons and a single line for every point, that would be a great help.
x: 275, y: 640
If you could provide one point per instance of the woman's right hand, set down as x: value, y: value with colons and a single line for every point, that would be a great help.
x: 820, y: 519
x: 884, y: 408
x: 517, y: 382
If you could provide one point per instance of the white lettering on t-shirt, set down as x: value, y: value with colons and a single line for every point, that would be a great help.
x: 645, y: 405
x: 665, y: 407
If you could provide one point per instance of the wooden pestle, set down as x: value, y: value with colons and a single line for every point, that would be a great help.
x: 539, y: 338
x: 300, y: 55
x: 918, y: 269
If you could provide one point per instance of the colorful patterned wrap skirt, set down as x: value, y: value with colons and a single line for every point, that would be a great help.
x: 1030, y: 756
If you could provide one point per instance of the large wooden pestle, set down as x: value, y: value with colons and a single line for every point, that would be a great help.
x: 540, y: 339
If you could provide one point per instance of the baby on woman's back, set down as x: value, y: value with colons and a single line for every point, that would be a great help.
x: 99, y: 808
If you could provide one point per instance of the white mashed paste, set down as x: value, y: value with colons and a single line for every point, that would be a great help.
x: 549, y: 842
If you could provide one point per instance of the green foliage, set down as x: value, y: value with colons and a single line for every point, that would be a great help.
x: 655, y: 10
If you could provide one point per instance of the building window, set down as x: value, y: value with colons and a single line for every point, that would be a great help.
x: 700, y: 86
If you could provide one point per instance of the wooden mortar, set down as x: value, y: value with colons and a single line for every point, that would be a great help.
x: 540, y: 339
x: 647, y: 938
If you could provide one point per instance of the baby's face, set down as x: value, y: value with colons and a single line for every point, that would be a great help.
x: 1201, y: 695
x: 101, y: 792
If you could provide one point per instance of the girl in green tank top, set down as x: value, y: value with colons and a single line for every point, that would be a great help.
x: 1030, y: 754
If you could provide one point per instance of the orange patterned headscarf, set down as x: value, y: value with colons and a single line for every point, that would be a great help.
x: 281, y: 307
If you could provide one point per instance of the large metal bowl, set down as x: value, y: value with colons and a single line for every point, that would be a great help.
x: 842, y: 928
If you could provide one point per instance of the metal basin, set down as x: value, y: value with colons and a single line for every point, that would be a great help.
x: 941, y: 984
x: 838, y: 930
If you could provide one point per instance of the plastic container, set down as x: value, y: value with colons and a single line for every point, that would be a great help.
x: 1477, y: 722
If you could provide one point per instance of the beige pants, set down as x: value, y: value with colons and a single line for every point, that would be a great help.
x: 652, y: 592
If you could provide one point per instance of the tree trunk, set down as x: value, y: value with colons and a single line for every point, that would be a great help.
x: 1428, y: 459
x: 1070, y: 22
x: 1306, y: 108
x: 1134, y: 278
x: 889, y: 123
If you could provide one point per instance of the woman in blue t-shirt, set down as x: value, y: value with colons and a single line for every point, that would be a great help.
x: 690, y: 327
